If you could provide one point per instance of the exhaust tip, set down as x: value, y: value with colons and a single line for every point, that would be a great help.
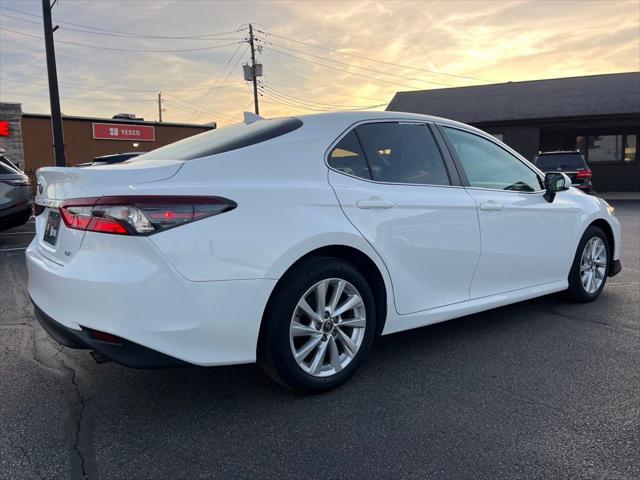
x: 98, y: 357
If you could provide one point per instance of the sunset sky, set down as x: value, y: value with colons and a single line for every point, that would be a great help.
x: 311, y: 51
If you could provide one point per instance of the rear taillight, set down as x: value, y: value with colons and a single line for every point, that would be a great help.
x: 584, y: 174
x: 139, y: 215
x: 18, y: 182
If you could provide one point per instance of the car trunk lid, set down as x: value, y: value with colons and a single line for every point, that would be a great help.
x: 57, y: 184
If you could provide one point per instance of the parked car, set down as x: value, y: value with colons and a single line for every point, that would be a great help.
x: 570, y: 162
x: 15, y: 195
x: 295, y: 241
x: 110, y: 159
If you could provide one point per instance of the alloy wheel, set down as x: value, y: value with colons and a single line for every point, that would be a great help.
x: 593, y: 265
x: 327, y: 327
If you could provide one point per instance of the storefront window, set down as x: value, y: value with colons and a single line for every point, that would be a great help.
x: 630, y: 147
x: 608, y: 148
x: 605, y: 148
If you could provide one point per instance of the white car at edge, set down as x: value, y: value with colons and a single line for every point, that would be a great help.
x: 293, y: 241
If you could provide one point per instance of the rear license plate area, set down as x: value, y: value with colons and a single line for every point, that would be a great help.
x: 52, y: 228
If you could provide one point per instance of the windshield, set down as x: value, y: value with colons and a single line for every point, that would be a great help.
x: 561, y: 160
x: 222, y: 140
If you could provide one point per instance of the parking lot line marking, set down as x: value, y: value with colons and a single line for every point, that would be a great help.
x: 17, y: 233
x: 12, y: 249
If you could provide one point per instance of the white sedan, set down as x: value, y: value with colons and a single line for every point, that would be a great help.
x: 293, y: 241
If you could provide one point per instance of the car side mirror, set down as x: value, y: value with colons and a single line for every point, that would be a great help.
x: 555, y: 182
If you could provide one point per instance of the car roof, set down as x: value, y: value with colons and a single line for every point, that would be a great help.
x: 348, y: 118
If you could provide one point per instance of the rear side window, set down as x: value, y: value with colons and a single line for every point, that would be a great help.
x: 347, y: 157
x: 402, y: 153
x: 223, y: 140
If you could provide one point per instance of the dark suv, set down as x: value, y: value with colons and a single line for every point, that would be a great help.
x: 570, y: 162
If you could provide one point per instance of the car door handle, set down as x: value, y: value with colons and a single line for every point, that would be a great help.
x: 491, y: 206
x: 374, y: 203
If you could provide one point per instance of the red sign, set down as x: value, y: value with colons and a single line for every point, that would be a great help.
x: 4, y: 129
x: 123, y: 131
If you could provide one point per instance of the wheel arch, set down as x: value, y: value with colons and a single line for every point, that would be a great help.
x: 603, y: 225
x: 361, y: 261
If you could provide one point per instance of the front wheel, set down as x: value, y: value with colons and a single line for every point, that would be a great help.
x: 590, y: 266
x: 318, y: 326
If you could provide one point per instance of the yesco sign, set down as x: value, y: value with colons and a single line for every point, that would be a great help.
x: 123, y: 131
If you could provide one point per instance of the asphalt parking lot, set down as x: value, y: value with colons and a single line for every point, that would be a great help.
x: 541, y: 389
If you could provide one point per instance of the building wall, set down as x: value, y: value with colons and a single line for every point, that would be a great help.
x: 561, y: 134
x: 616, y: 177
x: 81, y: 146
x: 12, y: 113
x: 523, y: 139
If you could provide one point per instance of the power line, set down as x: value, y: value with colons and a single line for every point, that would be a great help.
x: 434, y: 72
x: 219, y: 81
x: 355, y: 66
x: 220, y: 76
x: 305, y: 88
x: 302, y: 100
x: 132, y: 34
x: 291, y: 104
x: 124, y: 49
x: 331, y: 67
x: 43, y: 95
x: 90, y: 32
x: 98, y: 88
x: 192, y: 111
x: 191, y: 106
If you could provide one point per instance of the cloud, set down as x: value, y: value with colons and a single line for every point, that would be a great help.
x: 496, y: 41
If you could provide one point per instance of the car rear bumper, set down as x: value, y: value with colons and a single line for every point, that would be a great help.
x: 124, y: 352
x: 129, y: 290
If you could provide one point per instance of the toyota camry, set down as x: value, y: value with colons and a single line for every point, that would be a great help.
x: 293, y: 242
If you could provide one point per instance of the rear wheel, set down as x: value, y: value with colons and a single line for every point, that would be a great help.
x: 590, y: 266
x: 318, y: 326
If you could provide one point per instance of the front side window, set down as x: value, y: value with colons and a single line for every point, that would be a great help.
x: 402, y: 153
x: 489, y: 166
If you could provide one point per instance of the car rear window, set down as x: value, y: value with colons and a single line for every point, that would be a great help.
x: 223, y: 140
x: 560, y: 160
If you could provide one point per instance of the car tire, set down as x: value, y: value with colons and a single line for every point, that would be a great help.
x: 590, y: 266
x: 291, y: 327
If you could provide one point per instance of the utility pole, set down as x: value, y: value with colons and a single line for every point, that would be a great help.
x: 54, y: 94
x: 253, y: 71
x: 160, y: 107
